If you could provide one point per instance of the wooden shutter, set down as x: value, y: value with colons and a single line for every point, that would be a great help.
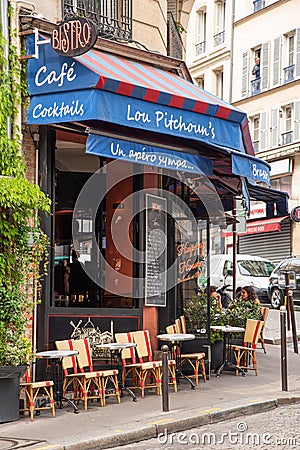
x: 264, y: 66
x: 274, y: 127
x: 245, y: 74
x: 277, y: 61
x: 173, y: 8
x: 263, y: 130
x: 297, y: 121
x: 297, y: 68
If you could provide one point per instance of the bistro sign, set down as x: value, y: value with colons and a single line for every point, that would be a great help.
x: 74, y: 36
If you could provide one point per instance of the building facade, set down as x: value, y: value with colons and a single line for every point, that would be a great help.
x: 140, y: 164
x: 267, y: 33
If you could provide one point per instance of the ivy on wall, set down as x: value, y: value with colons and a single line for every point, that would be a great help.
x: 20, y: 202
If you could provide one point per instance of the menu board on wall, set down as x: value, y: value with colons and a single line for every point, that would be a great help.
x: 156, y: 251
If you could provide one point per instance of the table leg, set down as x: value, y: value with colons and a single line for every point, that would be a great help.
x: 226, y: 363
x: 178, y: 370
x: 58, y: 387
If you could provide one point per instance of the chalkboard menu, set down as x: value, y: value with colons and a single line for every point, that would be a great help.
x: 156, y: 251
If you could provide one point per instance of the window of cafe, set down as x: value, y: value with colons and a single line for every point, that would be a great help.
x: 76, y: 262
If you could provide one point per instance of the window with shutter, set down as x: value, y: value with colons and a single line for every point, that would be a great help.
x: 297, y: 71
x: 264, y: 66
x: 277, y: 61
x: 245, y: 74
x: 274, y: 127
x: 200, y: 32
x: 297, y: 121
x: 263, y: 130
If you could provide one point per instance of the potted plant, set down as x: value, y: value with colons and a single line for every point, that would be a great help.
x: 20, y: 258
x: 236, y: 314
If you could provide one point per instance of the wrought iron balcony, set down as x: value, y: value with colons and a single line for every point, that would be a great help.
x: 219, y: 38
x: 258, y: 5
x: 287, y: 138
x: 289, y: 73
x: 200, y: 48
x: 255, y: 86
x: 113, y: 19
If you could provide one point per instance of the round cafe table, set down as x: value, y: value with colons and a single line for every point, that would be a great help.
x: 56, y: 357
x: 227, y: 331
x: 115, y: 349
x: 176, y: 339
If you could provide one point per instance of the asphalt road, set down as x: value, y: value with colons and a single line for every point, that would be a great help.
x: 278, y: 428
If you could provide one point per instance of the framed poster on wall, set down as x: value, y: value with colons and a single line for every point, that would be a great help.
x: 156, y: 251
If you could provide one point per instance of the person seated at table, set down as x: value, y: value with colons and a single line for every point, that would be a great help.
x: 215, y: 297
x: 248, y: 294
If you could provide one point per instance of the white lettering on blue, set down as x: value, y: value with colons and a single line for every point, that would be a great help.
x: 66, y: 73
x: 58, y: 111
x: 170, y: 122
x: 260, y: 173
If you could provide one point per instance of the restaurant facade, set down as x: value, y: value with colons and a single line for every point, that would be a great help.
x: 142, y: 168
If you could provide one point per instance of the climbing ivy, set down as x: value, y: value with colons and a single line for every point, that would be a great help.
x: 20, y: 202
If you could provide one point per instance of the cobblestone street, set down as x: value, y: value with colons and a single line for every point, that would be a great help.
x: 279, y: 428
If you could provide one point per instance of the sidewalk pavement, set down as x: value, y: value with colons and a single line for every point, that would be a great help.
x: 218, y: 399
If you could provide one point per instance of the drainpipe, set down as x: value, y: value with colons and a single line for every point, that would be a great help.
x: 231, y: 49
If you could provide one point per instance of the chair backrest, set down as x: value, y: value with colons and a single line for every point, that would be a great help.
x: 178, y: 326
x: 171, y: 329
x: 128, y: 354
x: 264, y: 313
x: 84, y: 357
x: 183, y: 324
x: 69, y: 363
x: 143, y: 345
x: 252, y: 332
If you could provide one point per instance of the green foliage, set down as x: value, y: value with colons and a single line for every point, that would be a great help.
x: 236, y: 315
x: 20, y: 202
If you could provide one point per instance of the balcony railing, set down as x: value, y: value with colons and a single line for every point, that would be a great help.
x: 219, y: 38
x: 255, y: 86
x: 289, y: 73
x: 112, y: 19
x: 287, y: 138
x: 200, y: 48
x: 258, y: 5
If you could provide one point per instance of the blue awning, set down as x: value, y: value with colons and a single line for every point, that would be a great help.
x: 111, y: 147
x: 101, y: 86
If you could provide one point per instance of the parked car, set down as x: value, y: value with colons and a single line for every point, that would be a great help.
x: 276, y: 291
x: 251, y: 271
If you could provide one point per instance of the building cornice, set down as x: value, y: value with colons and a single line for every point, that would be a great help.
x: 260, y: 12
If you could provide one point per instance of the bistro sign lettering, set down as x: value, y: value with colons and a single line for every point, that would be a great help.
x: 74, y: 37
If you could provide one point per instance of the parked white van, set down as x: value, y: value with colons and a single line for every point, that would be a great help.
x: 250, y: 271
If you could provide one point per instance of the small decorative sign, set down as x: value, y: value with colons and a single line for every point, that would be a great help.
x: 295, y: 214
x: 74, y: 36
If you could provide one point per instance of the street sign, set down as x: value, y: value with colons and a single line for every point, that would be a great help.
x: 282, y: 279
x: 295, y: 214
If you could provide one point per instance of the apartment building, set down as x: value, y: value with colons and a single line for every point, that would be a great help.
x: 259, y: 60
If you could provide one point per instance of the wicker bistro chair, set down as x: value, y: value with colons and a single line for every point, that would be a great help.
x: 264, y: 313
x: 145, y: 355
x: 79, y: 374
x: 37, y: 395
x: 144, y: 374
x: 245, y: 354
x: 197, y: 359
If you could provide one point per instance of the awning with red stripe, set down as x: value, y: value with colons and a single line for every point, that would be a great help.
x: 93, y: 86
x: 264, y: 226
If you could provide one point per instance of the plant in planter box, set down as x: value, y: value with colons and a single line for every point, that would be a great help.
x: 20, y: 259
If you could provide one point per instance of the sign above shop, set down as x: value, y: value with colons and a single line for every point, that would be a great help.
x: 295, y: 214
x: 74, y: 36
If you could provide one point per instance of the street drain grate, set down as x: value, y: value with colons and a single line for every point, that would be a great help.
x: 8, y: 443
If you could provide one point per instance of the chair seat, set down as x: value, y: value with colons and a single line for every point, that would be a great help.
x: 241, y: 347
x: 193, y: 355
x: 37, y: 384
